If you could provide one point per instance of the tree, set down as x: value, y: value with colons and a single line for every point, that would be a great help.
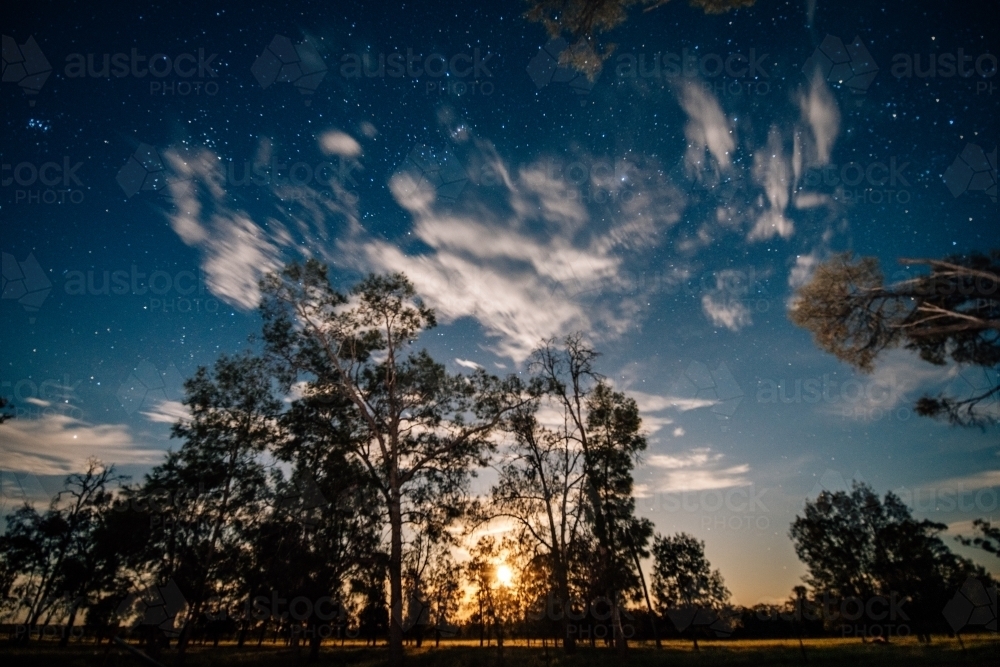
x: 858, y: 546
x: 215, y: 486
x: 606, y: 427
x: 540, y: 488
x: 4, y: 416
x: 684, y: 581
x: 322, y: 530
x: 988, y: 539
x: 585, y: 20
x: 420, y: 430
x: 953, y: 311
x: 51, y: 561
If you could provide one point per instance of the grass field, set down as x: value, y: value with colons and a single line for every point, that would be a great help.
x: 944, y: 651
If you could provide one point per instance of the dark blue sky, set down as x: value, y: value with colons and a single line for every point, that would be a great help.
x: 666, y: 209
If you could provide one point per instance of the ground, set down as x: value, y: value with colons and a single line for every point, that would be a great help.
x: 944, y: 651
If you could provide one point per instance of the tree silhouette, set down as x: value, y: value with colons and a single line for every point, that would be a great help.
x: 604, y: 425
x: 585, y: 20
x: 419, y: 428
x: 988, y: 539
x: 858, y: 546
x: 683, y: 580
x: 49, y: 562
x: 953, y: 311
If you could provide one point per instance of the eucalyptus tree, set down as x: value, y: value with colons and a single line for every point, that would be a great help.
x: 204, y: 499
x: 566, y: 479
x: 683, y: 580
x: 51, y: 562
x: 419, y: 430
x: 950, y: 312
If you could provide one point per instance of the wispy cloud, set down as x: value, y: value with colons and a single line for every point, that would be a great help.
x: 58, y: 444
x: 697, y: 469
x: 168, y: 412
x: 465, y: 363
x: 772, y: 171
x: 822, y: 117
x: 528, y: 268
x: 335, y: 142
x: 707, y: 131
x: 721, y: 305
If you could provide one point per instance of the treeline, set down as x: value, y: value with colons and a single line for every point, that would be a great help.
x: 321, y: 488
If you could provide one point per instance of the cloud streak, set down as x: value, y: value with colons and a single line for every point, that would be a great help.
x: 59, y: 444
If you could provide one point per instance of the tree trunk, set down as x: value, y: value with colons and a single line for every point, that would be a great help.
x: 569, y: 641
x: 395, y: 581
x: 64, y: 640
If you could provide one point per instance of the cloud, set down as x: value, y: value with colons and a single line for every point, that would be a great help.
x: 772, y: 171
x: 697, y: 469
x: 897, y: 380
x: 339, y: 143
x: 803, y: 270
x: 59, y: 444
x: 730, y: 314
x: 821, y: 115
x: 801, y: 273
x: 721, y: 305
x: 465, y: 363
x: 653, y: 423
x: 707, y: 129
x: 657, y: 402
x: 529, y: 267
x: 237, y: 251
x: 168, y: 412
x: 678, y: 432
x: 984, y: 479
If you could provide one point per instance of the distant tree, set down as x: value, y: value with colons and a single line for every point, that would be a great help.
x: 683, y: 579
x: 420, y: 430
x: 495, y: 604
x: 953, y: 311
x: 988, y: 538
x: 857, y: 545
x: 51, y: 562
x: 322, y: 529
x: 585, y: 20
x: 605, y: 427
x: 540, y: 488
x: 203, y: 499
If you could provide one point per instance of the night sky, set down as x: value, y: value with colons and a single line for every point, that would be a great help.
x: 667, y: 210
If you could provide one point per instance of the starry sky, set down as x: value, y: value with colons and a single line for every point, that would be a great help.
x: 157, y: 162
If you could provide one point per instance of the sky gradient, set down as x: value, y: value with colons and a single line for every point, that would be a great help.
x: 667, y: 210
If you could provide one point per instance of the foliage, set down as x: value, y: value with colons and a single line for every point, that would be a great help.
x: 988, y: 539
x: 953, y: 311
x: 857, y: 545
x: 416, y: 430
x: 585, y: 20
x: 683, y: 577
